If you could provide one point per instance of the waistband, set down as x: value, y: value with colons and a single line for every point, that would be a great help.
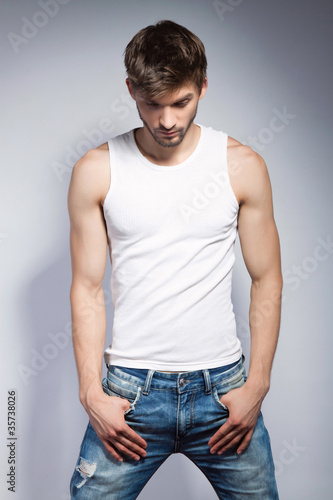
x: 199, y: 379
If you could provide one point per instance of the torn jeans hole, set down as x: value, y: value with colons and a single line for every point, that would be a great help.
x: 86, y: 469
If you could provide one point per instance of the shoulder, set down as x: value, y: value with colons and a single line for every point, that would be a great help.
x: 92, y: 162
x: 247, y: 171
x: 244, y: 157
x: 91, y: 175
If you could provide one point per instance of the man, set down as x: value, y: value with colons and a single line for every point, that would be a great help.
x: 168, y: 199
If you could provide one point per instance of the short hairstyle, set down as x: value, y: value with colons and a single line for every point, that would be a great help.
x: 162, y: 58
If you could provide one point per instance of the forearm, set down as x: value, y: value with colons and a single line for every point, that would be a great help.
x: 88, y: 332
x: 106, y: 414
x: 265, y: 314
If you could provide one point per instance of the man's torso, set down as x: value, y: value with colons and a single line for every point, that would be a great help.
x: 236, y: 162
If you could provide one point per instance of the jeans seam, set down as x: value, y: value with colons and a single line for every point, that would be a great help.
x: 192, y: 408
x: 234, y: 378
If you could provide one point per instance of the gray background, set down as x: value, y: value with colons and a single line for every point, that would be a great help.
x: 63, y: 92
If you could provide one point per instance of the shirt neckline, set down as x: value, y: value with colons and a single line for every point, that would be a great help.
x: 166, y: 168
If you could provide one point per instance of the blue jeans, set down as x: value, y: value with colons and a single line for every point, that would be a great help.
x: 175, y: 413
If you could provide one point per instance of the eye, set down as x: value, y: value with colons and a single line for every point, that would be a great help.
x: 151, y: 104
x: 181, y: 104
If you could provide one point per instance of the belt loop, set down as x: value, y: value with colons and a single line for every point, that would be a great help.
x: 208, y: 386
x: 148, y: 382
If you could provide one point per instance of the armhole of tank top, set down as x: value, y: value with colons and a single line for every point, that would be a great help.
x: 226, y: 165
x: 112, y: 175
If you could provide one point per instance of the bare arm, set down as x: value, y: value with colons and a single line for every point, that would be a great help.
x: 261, y: 251
x: 88, y: 243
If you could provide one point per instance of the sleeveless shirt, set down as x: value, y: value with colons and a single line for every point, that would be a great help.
x: 171, y: 233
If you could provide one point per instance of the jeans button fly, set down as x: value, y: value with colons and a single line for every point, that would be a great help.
x: 182, y: 382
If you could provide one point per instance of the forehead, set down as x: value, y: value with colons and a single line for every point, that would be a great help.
x: 186, y: 91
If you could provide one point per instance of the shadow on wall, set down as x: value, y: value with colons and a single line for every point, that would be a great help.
x: 56, y: 419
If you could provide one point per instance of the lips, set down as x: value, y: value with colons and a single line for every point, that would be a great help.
x: 168, y: 134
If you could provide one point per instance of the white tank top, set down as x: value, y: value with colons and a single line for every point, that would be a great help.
x: 171, y: 233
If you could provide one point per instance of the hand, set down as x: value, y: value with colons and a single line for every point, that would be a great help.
x: 106, y: 415
x: 244, y: 406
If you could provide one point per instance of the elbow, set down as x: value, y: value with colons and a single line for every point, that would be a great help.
x: 279, y: 281
x: 82, y: 291
x: 272, y: 281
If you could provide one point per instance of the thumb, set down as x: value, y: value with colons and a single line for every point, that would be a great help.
x: 224, y: 400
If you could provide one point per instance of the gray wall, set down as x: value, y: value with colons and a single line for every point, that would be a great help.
x: 63, y: 93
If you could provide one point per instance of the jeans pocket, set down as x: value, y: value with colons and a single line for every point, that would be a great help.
x: 122, y: 389
x: 216, y: 398
x: 228, y: 384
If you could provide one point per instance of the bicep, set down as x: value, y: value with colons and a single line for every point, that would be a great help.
x: 256, y: 226
x: 88, y: 237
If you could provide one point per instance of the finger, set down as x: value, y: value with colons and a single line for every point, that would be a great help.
x: 126, y: 451
x: 119, y: 444
x: 225, y: 441
x: 132, y: 447
x: 242, y: 439
x: 245, y: 442
x: 226, y: 438
x: 128, y: 433
x: 112, y: 450
x: 233, y: 442
x: 223, y: 431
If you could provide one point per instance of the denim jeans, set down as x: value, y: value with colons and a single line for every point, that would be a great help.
x: 175, y: 413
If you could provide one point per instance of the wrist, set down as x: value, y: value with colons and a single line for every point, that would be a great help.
x: 258, y: 384
x: 89, y: 395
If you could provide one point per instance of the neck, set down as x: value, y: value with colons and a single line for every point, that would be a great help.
x: 167, y: 155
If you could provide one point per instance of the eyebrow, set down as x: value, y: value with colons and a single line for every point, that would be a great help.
x: 186, y: 97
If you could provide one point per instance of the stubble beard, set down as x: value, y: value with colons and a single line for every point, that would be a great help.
x: 168, y: 143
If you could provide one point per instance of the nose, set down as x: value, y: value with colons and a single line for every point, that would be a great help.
x: 167, y: 120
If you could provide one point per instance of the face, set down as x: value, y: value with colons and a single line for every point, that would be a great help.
x: 168, y: 118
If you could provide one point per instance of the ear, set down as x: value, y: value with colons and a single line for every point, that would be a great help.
x: 128, y: 83
x: 204, y: 88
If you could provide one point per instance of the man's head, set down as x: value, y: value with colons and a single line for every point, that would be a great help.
x: 166, y: 67
x: 164, y: 57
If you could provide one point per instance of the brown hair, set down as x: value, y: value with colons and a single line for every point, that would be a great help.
x: 163, y: 57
